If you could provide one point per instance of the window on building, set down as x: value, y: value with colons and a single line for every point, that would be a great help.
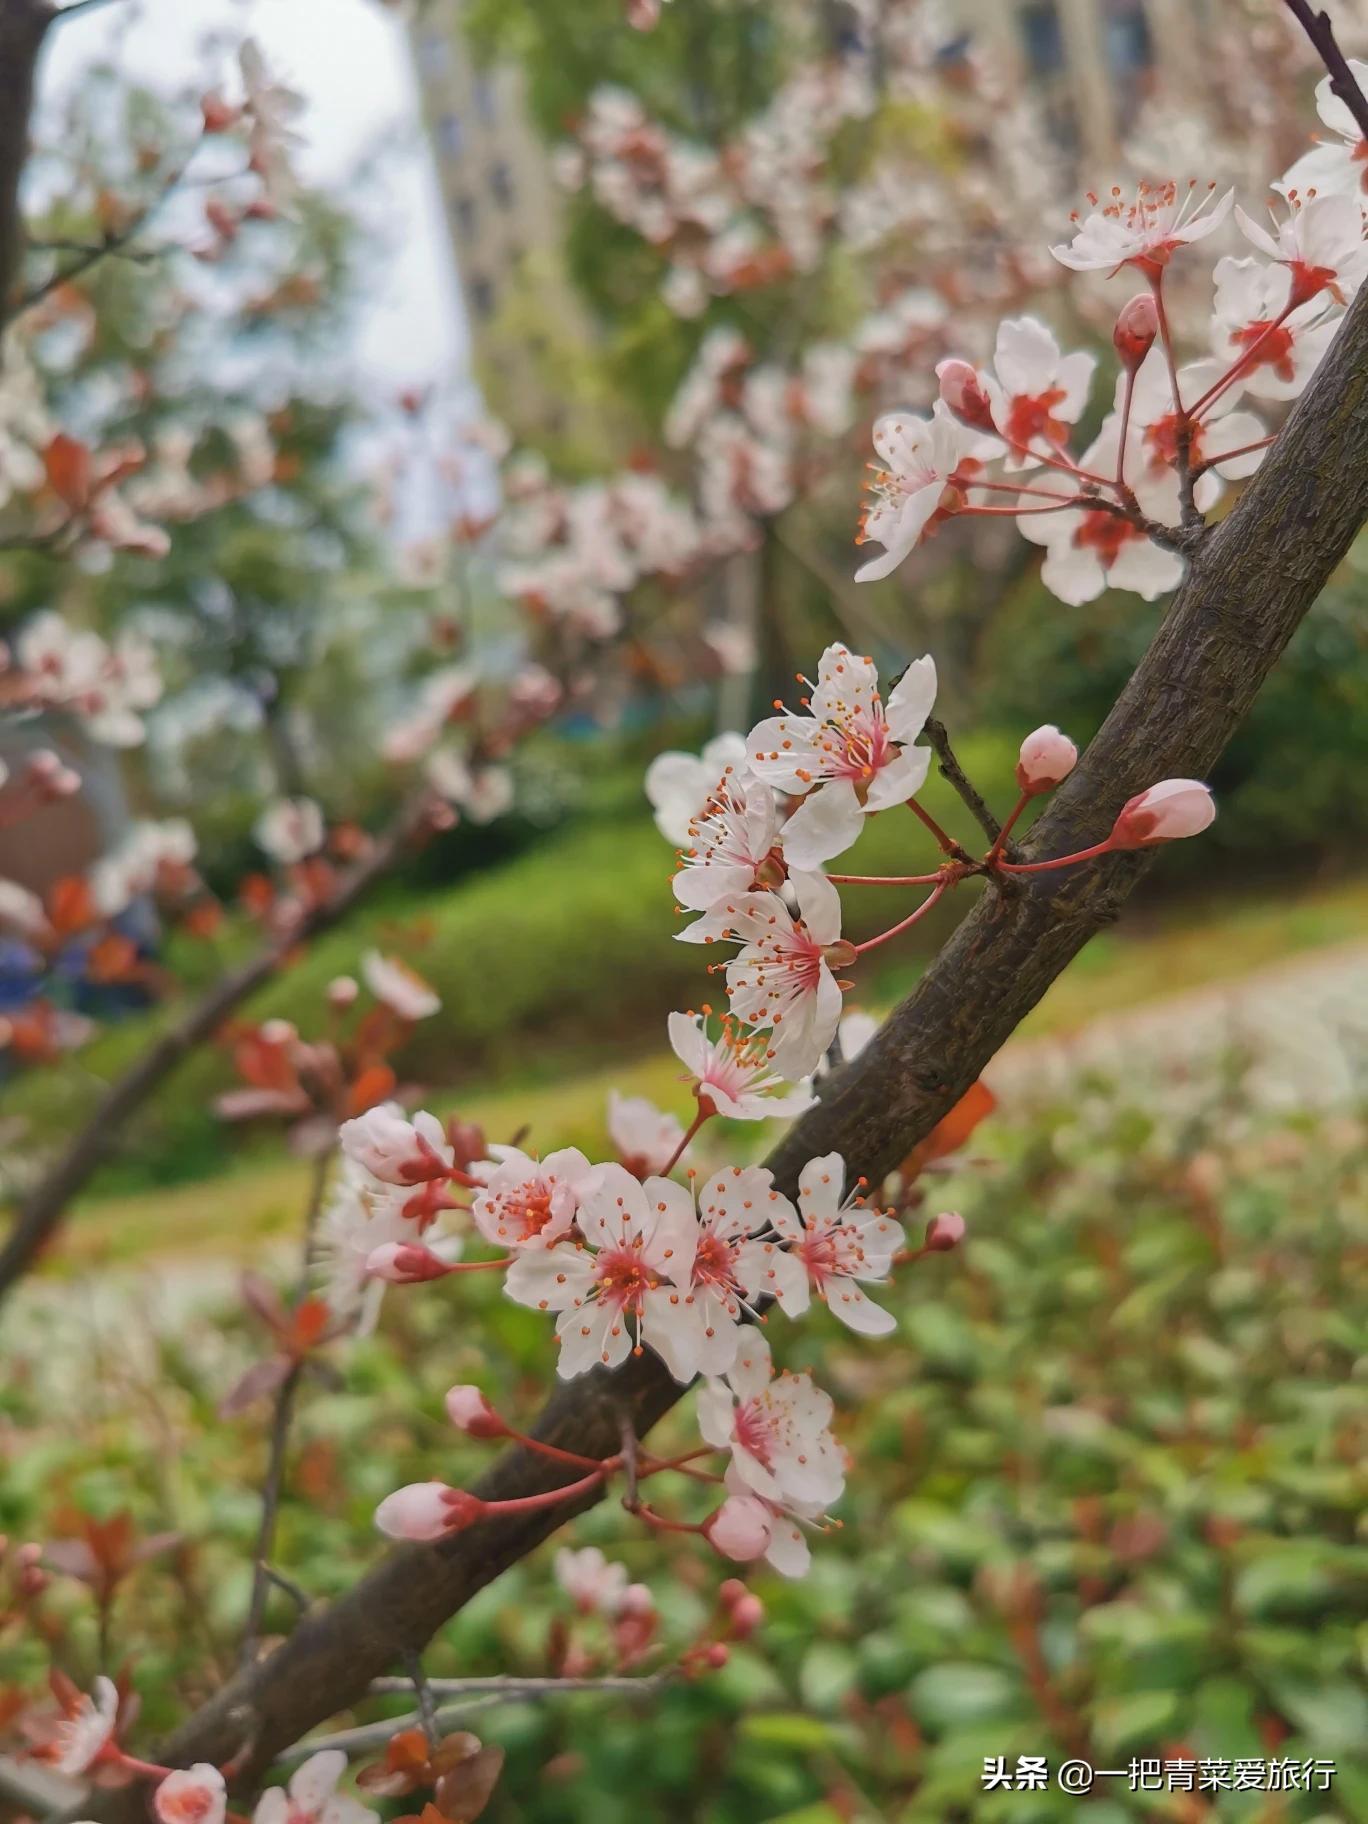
x: 501, y: 184
x: 467, y: 216
x: 1041, y: 37
x: 450, y: 135
x: 482, y: 297
x: 486, y: 102
x: 434, y: 54
x: 1130, y: 56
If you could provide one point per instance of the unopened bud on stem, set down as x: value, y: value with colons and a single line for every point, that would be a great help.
x: 1046, y: 757
x: 962, y: 391
x: 1136, y: 328
x: 1173, y: 808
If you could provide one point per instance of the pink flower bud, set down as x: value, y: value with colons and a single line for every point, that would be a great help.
x: 1046, y: 757
x: 741, y: 1528
x: 636, y: 1599
x: 342, y: 990
x: 1173, y: 808
x: 426, y: 1510
x: 470, y: 1412
x: 962, y: 391
x: 191, y: 1795
x: 747, y: 1615
x: 1136, y: 328
x: 944, y: 1232
x: 404, y: 1263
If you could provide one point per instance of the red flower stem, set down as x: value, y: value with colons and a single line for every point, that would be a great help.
x: 947, y: 843
x: 905, y: 924
x: 1000, y: 841
x: 526, y: 1504
x: 1214, y: 462
x: 682, y: 1148
x: 1166, y: 337
x: 660, y: 1523
x: 479, y: 1266
x: 606, y: 1464
x: 149, y: 1770
x: 1062, y: 861
x: 1125, y: 427
x: 883, y: 880
x: 1022, y: 512
x: 1232, y: 373
x: 1007, y: 487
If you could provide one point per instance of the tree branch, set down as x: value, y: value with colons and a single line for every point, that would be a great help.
x: 23, y: 24
x: 1245, y: 594
x: 938, y: 740
x: 1319, y: 30
x: 42, y: 1210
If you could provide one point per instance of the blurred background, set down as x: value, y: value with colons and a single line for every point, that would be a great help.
x: 1109, y: 1492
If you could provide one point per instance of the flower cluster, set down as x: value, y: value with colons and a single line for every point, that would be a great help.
x: 1124, y: 511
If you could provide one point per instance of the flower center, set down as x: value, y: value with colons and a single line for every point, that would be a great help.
x: 624, y: 1279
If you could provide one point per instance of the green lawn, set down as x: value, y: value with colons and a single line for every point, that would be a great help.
x: 1179, y: 949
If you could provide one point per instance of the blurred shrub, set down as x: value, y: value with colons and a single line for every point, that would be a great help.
x: 1293, y: 775
x: 1106, y: 1494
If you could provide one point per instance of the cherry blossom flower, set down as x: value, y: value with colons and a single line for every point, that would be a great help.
x: 1173, y: 808
x: 312, y: 1796
x: 1276, y: 358
x: 729, y: 842
x: 680, y: 785
x: 400, y: 988
x: 1341, y: 168
x: 529, y: 1204
x: 777, y: 1428
x: 396, y: 1150
x: 1219, y: 437
x: 925, y: 465
x: 1320, y: 242
x: 1089, y: 549
x: 362, y: 1216
x: 80, y: 1734
x: 270, y: 108
x: 782, y: 977
x: 849, y: 756
x: 1045, y: 758
x: 595, y: 1584
x: 193, y: 1795
x: 1146, y: 231
x: 628, y: 1285
x: 836, y: 1242
x: 732, y: 1206
x: 1036, y: 395
x: 731, y: 1073
x: 646, y: 1138
x: 290, y: 830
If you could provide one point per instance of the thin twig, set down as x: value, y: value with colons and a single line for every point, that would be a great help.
x: 508, y: 1686
x: 281, y: 1419
x: 80, y: 6
x: 480, y: 1694
x: 1343, y: 83
x: 294, y: 1591
x: 950, y: 768
x: 427, y: 1704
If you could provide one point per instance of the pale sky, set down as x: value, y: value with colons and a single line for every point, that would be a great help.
x: 349, y: 59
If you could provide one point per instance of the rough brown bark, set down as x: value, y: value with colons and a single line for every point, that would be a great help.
x: 23, y: 24
x: 41, y: 1212
x: 1249, y: 587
